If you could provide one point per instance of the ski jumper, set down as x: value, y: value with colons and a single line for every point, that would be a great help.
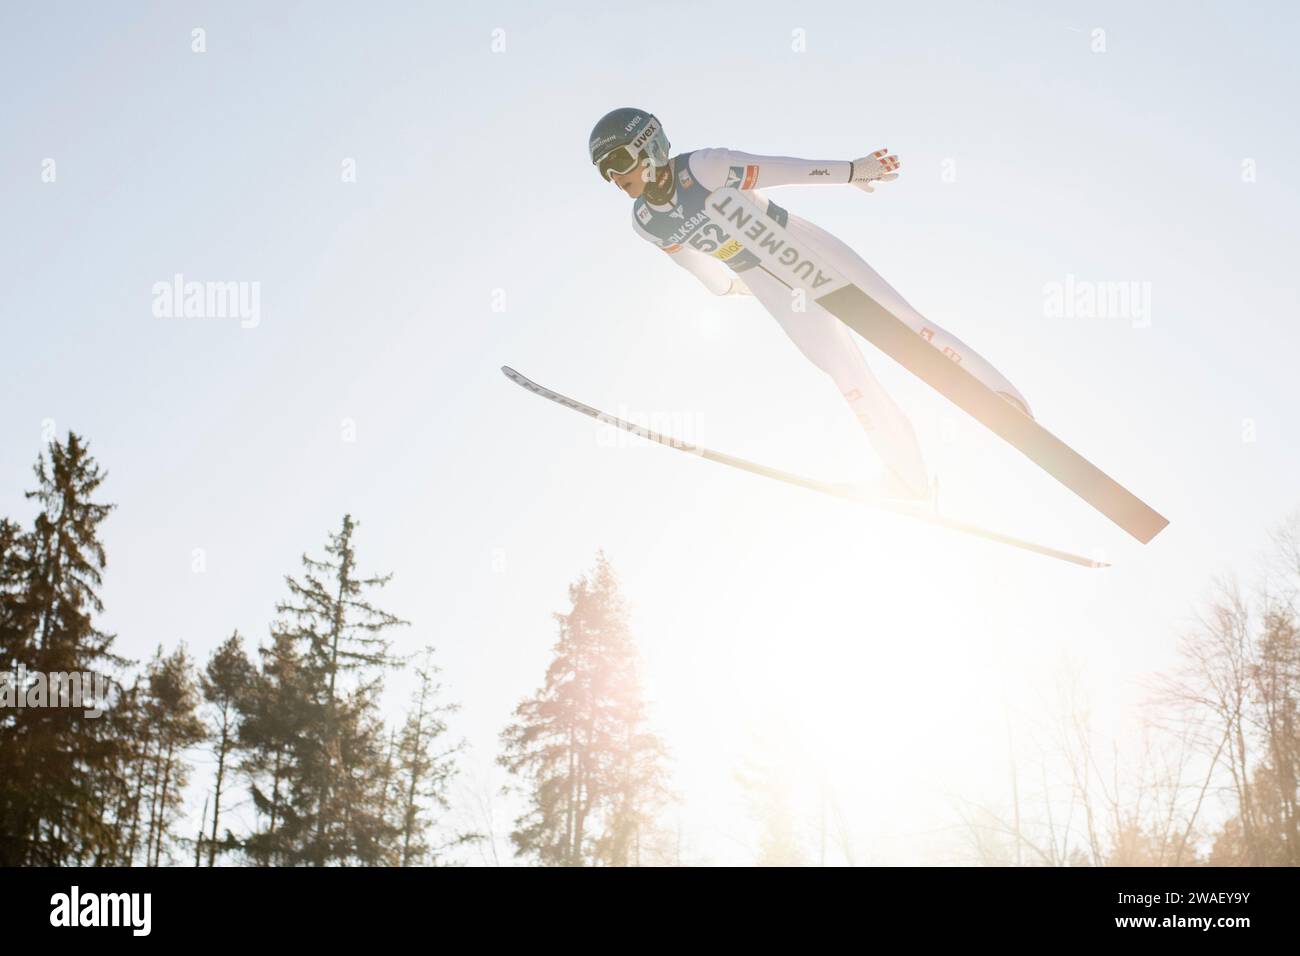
x: 821, y: 337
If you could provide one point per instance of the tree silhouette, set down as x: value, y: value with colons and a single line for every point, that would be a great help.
x: 590, y: 769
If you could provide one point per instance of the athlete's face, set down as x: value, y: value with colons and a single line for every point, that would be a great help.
x: 634, y: 184
x: 630, y: 182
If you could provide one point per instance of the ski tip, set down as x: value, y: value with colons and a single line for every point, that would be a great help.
x: 1097, y: 559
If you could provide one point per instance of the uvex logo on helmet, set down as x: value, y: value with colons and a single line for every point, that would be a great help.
x: 641, y: 138
x: 626, y: 136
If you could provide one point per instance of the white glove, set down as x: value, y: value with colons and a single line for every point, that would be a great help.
x: 878, y: 167
x: 738, y: 287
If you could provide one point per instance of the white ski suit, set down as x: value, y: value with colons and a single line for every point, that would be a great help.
x: 820, y: 336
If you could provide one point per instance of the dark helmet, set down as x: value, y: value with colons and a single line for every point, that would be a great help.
x: 625, y: 137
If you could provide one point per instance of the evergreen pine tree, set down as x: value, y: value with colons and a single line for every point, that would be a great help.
x: 273, y: 714
x: 226, y: 681
x: 590, y: 769
x: 335, y: 798
x: 171, y: 726
x: 51, y: 805
x: 426, y: 766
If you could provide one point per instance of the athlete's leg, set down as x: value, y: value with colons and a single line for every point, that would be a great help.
x: 855, y: 268
x: 827, y: 343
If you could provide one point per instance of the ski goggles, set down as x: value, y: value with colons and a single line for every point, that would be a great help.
x: 620, y: 160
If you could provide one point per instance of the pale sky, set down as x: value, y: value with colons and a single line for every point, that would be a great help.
x: 895, y: 651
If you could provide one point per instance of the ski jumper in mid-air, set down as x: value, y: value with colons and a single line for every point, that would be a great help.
x: 629, y: 148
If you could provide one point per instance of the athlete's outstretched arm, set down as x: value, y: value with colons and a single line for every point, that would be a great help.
x: 716, y: 168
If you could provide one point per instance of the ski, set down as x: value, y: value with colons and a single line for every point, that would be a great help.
x: 737, y: 222
x: 917, y: 511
